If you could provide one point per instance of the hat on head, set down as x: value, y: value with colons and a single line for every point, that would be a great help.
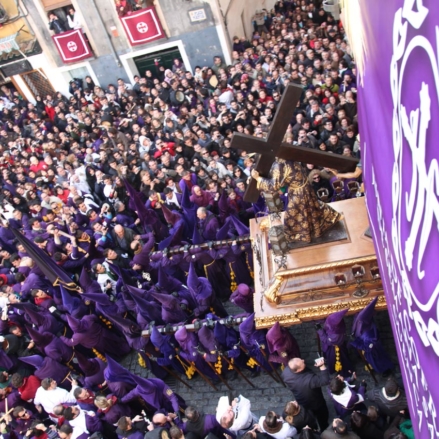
x: 334, y: 323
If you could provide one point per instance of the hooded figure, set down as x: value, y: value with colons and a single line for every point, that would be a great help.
x: 49, y: 368
x: 227, y: 340
x: 156, y: 395
x: 202, y: 293
x: 165, y: 345
x: 236, y: 268
x: 189, y: 342
x: 119, y: 380
x: 73, y: 305
x: 171, y: 309
x: 244, y: 249
x: 93, y: 369
x: 281, y: 345
x: 243, y: 297
x: 51, y: 345
x: 93, y: 335
x: 172, y: 285
x: 41, y: 318
x: 208, y: 342
x: 213, y: 269
x: 366, y: 339
x: 333, y: 341
x: 146, y: 311
x: 103, y: 304
x: 253, y: 340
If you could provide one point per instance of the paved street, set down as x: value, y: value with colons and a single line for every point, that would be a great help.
x: 268, y: 394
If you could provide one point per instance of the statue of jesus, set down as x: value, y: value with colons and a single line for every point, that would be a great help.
x: 306, y: 217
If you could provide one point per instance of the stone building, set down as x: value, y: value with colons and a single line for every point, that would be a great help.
x: 108, y: 42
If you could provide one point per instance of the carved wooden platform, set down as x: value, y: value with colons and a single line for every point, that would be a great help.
x: 318, y: 279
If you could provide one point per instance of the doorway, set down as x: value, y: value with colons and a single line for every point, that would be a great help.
x: 166, y: 59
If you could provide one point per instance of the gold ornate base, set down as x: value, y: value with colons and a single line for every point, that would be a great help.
x: 317, y: 280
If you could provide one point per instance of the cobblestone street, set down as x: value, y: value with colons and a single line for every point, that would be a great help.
x: 268, y: 394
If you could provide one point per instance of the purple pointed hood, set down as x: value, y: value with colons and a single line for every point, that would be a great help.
x: 196, y: 237
x: 114, y: 372
x: 75, y: 324
x: 241, y: 228
x: 128, y: 327
x: 174, y: 239
x: 335, y: 323
x: 168, y: 301
x: 364, y: 318
x: 187, y: 340
x: 41, y: 339
x: 150, y: 310
x: 226, y: 337
x: 275, y: 337
x: 168, y: 283
x: 207, y: 338
x: 34, y: 360
x: 145, y: 385
x: 171, y: 217
x: 90, y: 366
x: 223, y: 232
x: 157, y: 339
x: 223, y: 205
x: 100, y: 298
x: 193, y: 282
x: 35, y: 316
x: 247, y: 328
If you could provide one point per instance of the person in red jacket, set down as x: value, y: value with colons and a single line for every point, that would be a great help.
x: 26, y: 386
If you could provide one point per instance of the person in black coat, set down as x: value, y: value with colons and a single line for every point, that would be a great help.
x: 306, y: 387
x: 366, y: 429
x: 56, y: 24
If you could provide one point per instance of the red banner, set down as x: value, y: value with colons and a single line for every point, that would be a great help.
x: 72, y: 46
x: 142, y: 27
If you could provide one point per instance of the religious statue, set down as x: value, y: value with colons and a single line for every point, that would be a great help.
x: 305, y: 217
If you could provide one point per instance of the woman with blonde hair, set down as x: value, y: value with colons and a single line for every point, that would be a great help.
x: 111, y: 409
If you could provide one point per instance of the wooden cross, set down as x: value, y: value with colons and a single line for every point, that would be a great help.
x: 273, y: 146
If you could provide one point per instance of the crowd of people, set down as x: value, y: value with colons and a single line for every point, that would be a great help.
x: 123, y: 211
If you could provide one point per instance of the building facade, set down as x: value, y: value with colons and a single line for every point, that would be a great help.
x: 42, y: 49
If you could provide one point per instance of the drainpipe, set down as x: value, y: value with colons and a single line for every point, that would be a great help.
x: 113, y: 51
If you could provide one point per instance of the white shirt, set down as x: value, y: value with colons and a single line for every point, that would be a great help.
x: 79, y: 424
x: 286, y: 431
x: 48, y: 399
x: 74, y: 22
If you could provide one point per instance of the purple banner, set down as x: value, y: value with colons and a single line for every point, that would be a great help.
x: 399, y: 124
